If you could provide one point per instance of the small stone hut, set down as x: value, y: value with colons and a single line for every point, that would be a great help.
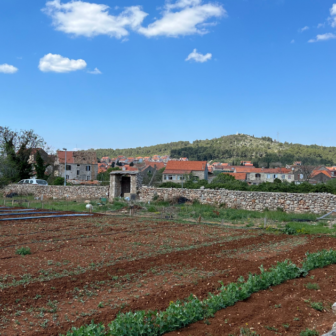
x: 124, y: 183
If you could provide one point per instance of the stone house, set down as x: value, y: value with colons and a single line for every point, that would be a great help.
x: 260, y: 175
x: 320, y: 176
x: 80, y: 165
x: 176, y: 171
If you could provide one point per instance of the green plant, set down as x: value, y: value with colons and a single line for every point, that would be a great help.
x: 180, y: 314
x: 23, y: 251
x: 286, y: 325
x: 317, y: 305
x: 312, y: 286
x: 271, y: 328
x: 248, y: 332
x: 309, y: 332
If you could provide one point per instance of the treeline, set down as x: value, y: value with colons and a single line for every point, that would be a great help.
x: 163, y: 149
x: 225, y: 181
x: 234, y: 157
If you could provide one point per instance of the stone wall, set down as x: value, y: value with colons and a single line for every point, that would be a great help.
x: 59, y: 192
x: 299, y: 203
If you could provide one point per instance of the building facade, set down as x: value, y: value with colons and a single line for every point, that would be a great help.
x: 180, y: 171
x: 80, y: 165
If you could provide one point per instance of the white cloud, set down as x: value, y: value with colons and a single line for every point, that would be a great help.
x: 333, y: 15
x: 8, y: 69
x: 96, y: 71
x: 184, y: 17
x: 323, y: 37
x: 321, y: 25
x: 293, y: 41
x: 57, y: 63
x: 197, y: 57
x: 89, y: 19
x: 303, y: 29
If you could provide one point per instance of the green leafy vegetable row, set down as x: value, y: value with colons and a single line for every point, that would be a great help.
x: 180, y: 314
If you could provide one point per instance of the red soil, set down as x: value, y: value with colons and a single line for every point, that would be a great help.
x: 115, y: 264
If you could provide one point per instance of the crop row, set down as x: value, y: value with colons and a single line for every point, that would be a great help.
x: 180, y: 314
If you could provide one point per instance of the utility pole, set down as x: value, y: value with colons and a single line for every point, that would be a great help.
x: 65, y: 167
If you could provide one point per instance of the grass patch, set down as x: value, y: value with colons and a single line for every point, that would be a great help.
x: 303, y: 228
x: 312, y: 286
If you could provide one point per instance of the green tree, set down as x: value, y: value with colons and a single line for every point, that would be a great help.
x: 16, y: 149
x: 40, y: 167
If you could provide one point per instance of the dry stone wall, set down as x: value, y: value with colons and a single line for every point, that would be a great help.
x: 299, y: 203
x: 59, y: 192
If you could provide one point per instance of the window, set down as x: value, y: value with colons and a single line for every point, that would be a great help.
x: 26, y: 181
x: 170, y: 177
x: 283, y: 177
x: 67, y: 177
x: 301, y: 176
x: 289, y: 177
x: 87, y: 178
x: 78, y: 165
x: 174, y: 177
x: 88, y: 168
x: 31, y: 181
x: 77, y: 172
x: 68, y: 167
x: 268, y: 176
x: 275, y: 176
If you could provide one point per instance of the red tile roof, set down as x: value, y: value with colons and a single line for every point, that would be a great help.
x: 247, y: 169
x: 317, y: 172
x: 238, y: 176
x: 69, y: 157
x: 159, y: 165
x: 186, y: 165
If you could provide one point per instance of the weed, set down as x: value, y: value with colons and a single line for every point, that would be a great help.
x: 286, y: 325
x: 23, y: 251
x: 271, y: 328
x: 309, y: 332
x: 317, y: 305
x: 247, y: 332
x: 312, y: 286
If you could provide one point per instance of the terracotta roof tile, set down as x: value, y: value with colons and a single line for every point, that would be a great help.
x: 238, y: 176
x: 187, y: 165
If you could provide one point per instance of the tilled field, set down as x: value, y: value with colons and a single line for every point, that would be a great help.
x: 84, y: 269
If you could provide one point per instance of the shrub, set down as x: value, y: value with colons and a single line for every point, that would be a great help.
x: 151, y: 208
x: 23, y: 251
x: 59, y: 180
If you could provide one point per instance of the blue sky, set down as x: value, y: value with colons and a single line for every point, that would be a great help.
x: 118, y: 74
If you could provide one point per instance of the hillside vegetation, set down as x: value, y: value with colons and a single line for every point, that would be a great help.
x: 232, y: 149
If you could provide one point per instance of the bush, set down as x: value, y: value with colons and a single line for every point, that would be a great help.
x: 59, y: 180
x: 23, y: 251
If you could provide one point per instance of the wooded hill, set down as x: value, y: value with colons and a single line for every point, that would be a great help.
x: 233, y: 149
